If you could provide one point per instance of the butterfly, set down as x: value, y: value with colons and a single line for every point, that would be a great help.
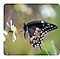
x: 37, y: 30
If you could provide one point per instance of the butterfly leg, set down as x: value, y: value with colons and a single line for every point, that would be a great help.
x: 40, y: 47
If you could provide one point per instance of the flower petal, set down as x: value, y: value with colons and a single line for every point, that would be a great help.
x: 5, y: 32
x: 13, y: 37
x: 12, y: 27
x: 7, y: 24
x: 10, y: 22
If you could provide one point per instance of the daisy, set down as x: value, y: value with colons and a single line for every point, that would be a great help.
x: 13, y: 29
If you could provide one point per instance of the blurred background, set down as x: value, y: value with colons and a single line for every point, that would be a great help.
x: 20, y: 13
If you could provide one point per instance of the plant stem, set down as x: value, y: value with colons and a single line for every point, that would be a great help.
x: 54, y: 48
x: 44, y: 48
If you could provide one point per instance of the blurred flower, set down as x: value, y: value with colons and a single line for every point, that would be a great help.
x: 13, y: 29
x: 47, y: 11
x: 24, y: 8
x: 5, y: 32
x: 29, y: 11
x: 13, y: 37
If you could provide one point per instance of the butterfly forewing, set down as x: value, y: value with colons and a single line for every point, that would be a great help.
x: 48, y: 27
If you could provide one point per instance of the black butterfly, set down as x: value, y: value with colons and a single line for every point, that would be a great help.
x: 36, y: 30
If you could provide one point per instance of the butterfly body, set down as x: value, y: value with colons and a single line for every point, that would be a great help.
x: 37, y: 29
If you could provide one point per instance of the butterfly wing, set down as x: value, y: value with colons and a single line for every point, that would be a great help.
x: 37, y: 41
x: 26, y: 34
x: 31, y: 30
x: 25, y: 31
x: 43, y: 25
x: 47, y: 27
x: 44, y: 28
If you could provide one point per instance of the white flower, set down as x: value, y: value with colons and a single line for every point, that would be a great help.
x: 14, y: 29
x: 23, y: 8
x: 10, y: 26
x: 13, y: 37
x: 47, y: 11
x: 5, y: 32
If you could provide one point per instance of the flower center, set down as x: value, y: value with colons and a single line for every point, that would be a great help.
x: 15, y: 30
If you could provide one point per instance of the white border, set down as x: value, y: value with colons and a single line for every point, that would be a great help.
x: 2, y: 2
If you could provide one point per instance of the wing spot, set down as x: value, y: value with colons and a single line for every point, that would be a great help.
x: 35, y: 46
x: 45, y: 31
x: 42, y: 21
x: 43, y: 24
x: 42, y: 37
x: 48, y: 30
x: 48, y: 24
x: 51, y: 25
x: 52, y: 28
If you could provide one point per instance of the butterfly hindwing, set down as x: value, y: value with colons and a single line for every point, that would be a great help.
x: 35, y: 41
x: 31, y: 32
